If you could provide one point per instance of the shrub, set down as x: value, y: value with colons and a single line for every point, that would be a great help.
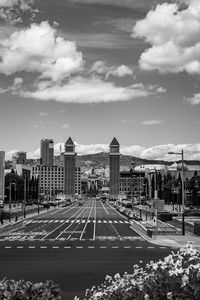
x: 26, y: 290
x: 176, y: 277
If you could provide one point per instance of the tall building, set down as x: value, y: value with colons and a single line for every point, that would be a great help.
x: 51, y: 179
x: 18, y: 158
x: 114, y: 161
x: 69, y: 168
x: 46, y: 152
x: 2, y: 165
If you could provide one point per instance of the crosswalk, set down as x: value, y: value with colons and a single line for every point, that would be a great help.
x: 75, y: 221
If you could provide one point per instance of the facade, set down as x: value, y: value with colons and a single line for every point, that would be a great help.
x: 51, y: 179
x: 132, y: 184
x: 69, y: 168
x: 114, y: 164
x: 46, y: 152
x: 2, y: 165
x: 18, y: 158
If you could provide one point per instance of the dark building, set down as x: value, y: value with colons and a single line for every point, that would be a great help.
x: 69, y: 168
x: 114, y: 162
x: 18, y: 158
x: 46, y: 152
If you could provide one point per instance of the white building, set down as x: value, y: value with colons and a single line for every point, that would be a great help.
x: 2, y: 165
x: 51, y: 179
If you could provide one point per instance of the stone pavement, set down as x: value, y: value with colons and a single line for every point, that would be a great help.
x: 175, y: 241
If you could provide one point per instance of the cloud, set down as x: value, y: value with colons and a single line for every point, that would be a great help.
x: 194, y: 100
x: 65, y: 126
x: 43, y: 114
x: 146, y: 4
x: 88, y: 90
x: 100, y: 67
x: 38, y: 49
x: 157, y: 152
x: 12, y: 11
x: 152, y: 122
x: 173, y: 34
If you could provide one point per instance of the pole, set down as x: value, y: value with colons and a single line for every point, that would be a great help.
x: 183, y: 195
x: 38, y: 187
x: 24, y: 204
x: 10, y: 202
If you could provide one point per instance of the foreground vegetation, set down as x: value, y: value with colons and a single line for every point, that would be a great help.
x: 176, y: 277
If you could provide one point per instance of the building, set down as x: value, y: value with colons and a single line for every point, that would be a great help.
x: 132, y: 184
x: 18, y: 158
x: 2, y: 182
x: 69, y: 168
x: 46, y: 152
x: 51, y: 179
x: 114, y: 163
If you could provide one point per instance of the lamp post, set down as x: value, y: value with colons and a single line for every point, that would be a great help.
x: 196, y: 185
x: 183, y: 189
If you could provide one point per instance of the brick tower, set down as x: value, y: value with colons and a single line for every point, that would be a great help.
x: 114, y: 160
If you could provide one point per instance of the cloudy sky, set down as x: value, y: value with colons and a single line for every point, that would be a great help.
x: 95, y: 69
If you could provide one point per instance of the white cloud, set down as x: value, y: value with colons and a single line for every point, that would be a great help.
x: 23, y: 4
x: 174, y: 37
x: 191, y: 151
x: 43, y: 114
x: 100, y: 67
x: 65, y: 126
x: 194, y: 100
x: 88, y: 90
x: 38, y: 49
x: 152, y: 122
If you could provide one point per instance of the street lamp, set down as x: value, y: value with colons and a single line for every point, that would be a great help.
x: 196, y: 186
x: 183, y: 189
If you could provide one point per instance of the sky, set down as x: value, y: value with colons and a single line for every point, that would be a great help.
x: 98, y: 69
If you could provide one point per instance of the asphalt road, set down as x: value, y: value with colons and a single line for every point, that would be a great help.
x: 76, y: 246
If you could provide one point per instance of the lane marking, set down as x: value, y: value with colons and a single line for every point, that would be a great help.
x: 55, y: 247
x: 20, y: 247
x: 150, y: 247
x: 79, y: 247
x: 95, y: 217
x: 43, y: 247
x: 103, y: 247
x: 31, y: 247
x: 91, y: 247
x: 138, y: 247
x: 8, y: 247
x: 115, y: 247
x: 105, y: 208
x: 127, y: 247
x: 67, y: 247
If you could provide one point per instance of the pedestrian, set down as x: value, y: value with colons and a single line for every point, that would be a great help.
x: 16, y: 217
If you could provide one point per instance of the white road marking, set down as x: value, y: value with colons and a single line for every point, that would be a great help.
x: 115, y: 247
x: 43, y: 247
x: 127, y: 247
x: 55, y: 247
x: 91, y: 247
x: 105, y: 208
x: 138, y: 247
x: 67, y: 247
x: 79, y: 247
x: 31, y: 247
x: 7, y: 247
x: 95, y: 217
x: 103, y: 247
x: 150, y: 247
x: 20, y: 247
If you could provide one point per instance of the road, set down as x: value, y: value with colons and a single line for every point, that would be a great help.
x: 76, y: 246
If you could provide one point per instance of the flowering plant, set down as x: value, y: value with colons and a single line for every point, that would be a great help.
x: 26, y: 290
x: 176, y: 277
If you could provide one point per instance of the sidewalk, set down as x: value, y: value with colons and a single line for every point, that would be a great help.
x: 30, y: 212
x: 175, y: 241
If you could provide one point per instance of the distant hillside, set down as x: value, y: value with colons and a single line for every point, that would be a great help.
x: 98, y: 160
x: 102, y: 159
